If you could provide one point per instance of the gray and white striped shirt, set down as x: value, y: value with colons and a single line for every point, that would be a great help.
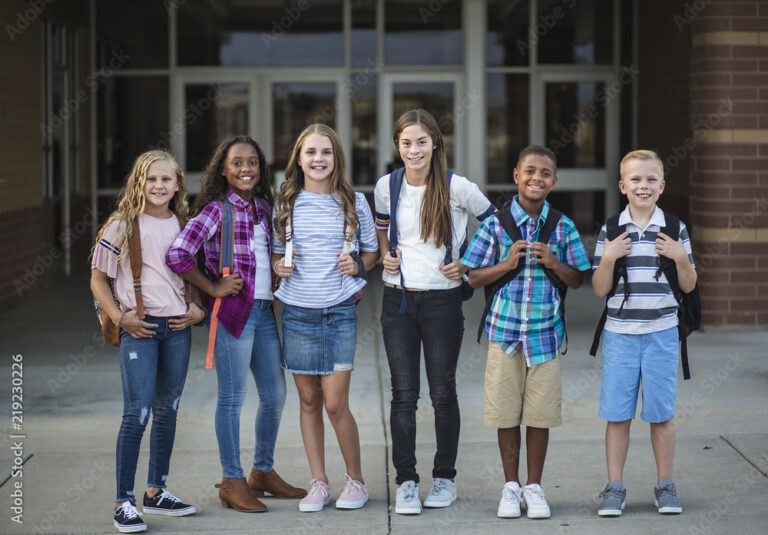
x: 651, y: 306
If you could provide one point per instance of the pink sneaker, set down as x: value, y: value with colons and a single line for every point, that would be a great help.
x: 354, y: 496
x: 319, y: 495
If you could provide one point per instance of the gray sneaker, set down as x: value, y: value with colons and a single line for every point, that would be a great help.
x: 665, y: 498
x: 613, y: 496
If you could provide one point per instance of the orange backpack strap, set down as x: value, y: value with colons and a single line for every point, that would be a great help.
x: 134, y: 252
x: 226, y: 264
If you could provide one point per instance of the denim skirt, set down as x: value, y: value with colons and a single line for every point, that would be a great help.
x: 319, y: 341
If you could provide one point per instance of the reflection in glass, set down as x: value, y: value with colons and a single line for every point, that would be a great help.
x: 575, y: 123
x: 363, y: 36
x: 422, y: 33
x: 117, y: 23
x: 506, y: 124
x: 132, y: 118
x: 364, y: 138
x: 437, y: 98
x: 246, y: 32
x: 581, y: 34
x: 212, y: 113
x: 296, y: 106
x: 509, y: 42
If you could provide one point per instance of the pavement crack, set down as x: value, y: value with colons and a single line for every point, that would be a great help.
x: 737, y: 450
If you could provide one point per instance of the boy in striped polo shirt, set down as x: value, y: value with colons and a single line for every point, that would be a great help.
x: 524, y: 325
x: 640, y: 341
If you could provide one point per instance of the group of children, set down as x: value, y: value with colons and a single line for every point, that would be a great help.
x: 318, y: 238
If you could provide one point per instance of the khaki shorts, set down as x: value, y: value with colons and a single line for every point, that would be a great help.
x: 516, y: 394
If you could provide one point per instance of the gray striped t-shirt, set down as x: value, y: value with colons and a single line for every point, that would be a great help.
x: 318, y: 234
x: 651, y: 306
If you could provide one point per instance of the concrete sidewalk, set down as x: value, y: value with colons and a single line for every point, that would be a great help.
x: 72, y: 404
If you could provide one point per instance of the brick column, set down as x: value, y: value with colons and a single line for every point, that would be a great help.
x: 729, y: 161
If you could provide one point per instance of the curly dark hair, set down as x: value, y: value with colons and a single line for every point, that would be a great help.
x: 214, y: 183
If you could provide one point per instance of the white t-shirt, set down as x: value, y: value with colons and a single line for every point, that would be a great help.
x: 318, y: 234
x: 420, y: 264
x: 262, y: 284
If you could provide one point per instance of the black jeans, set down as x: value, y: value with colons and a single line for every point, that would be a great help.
x: 434, y: 319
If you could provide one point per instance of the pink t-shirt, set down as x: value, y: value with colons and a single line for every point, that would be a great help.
x: 162, y: 289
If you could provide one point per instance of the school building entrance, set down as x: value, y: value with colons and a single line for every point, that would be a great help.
x: 591, y: 79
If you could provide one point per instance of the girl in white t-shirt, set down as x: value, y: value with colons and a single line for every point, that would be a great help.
x: 432, y: 212
x: 325, y: 242
x: 154, y: 351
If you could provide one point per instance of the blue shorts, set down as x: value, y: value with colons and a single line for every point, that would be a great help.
x: 319, y: 341
x: 628, y: 360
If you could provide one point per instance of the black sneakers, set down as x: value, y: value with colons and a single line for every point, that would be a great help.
x: 165, y: 503
x: 127, y: 519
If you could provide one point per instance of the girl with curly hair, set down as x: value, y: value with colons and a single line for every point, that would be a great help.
x: 246, y: 337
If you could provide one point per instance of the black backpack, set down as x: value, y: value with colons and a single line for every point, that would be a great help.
x: 688, y: 304
x: 508, y: 224
x: 395, y: 183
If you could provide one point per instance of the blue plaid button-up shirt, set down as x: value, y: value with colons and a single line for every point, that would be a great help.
x: 525, y: 313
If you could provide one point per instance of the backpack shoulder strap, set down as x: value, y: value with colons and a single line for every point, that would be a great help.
x: 612, y: 231
x: 395, y: 183
x: 187, y: 285
x: 449, y: 246
x: 553, y: 218
x: 507, y: 222
x: 226, y: 255
x: 134, y: 252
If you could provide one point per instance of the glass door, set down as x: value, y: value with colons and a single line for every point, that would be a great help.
x: 293, y: 101
x: 209, y: 107
x: 577, y: 116
x: 438, y: 93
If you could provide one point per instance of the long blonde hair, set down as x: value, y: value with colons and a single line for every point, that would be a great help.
x: 341, y: 191
x: 132, y: 201
x: 436, y: 219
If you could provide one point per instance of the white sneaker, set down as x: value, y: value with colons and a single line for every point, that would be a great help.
x: 535, y: 501
x: 509, y: 506
x: 407, y: 499
x: 443, y: 493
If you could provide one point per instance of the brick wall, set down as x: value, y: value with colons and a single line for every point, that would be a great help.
x: 729, y: 162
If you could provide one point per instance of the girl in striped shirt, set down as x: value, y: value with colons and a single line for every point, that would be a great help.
x: 325, y: 242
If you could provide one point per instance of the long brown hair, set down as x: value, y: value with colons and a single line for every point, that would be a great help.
x: 214, y: 184
x: 435, y: 207
x: 132, y: 200
x: 340, y: 190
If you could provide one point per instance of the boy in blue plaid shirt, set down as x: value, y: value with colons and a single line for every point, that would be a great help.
x: 524, y: 325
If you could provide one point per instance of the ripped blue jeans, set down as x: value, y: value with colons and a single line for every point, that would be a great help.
x: 153, y: 372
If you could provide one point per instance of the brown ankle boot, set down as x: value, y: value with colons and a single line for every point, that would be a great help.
x: 234, y: 493
x: 259, y: 482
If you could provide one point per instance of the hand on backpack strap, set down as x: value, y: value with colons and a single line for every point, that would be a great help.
x: 280, y: 269
x: 230, y: 285
x: 135, y: 327
x: 452, y: 271
x: 392, y: 264
x: 674, y: 250
x: 541, y: 253
x: 615, y: 249
x: 519, y: 250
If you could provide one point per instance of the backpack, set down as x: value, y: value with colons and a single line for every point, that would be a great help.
x: 510, y: 227
x: 109, y: 331
x: 395, y: 183
x: 226, y: 263
x: 688, y: 304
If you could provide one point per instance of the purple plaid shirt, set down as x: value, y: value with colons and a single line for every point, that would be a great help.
x: 204, y: 231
